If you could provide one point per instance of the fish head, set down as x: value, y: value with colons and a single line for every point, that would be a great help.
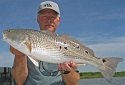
x: 13, y: 36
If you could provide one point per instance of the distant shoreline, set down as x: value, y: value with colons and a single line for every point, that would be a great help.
x: 88, y: 75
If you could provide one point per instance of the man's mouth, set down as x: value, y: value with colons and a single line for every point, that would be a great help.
x: 50, y: 25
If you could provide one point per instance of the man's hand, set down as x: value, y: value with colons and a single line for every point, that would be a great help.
x: 20, y: 70
x: 72, y: 78
x: 16, y: 52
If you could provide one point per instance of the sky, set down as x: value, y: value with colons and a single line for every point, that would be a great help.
x: 98, y: 24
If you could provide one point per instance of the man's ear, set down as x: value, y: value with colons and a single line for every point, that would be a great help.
x: 37, y: 20
x: 59, y: 21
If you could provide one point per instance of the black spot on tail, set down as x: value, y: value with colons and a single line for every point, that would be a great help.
x: 103, y: 60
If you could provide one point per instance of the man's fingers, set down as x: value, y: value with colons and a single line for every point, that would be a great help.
x: 67, y: 66
x: 64, y: 66
x: 73, y: 65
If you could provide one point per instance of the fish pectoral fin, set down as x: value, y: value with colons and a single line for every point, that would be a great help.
x: 35, y: 62
x: 28, y: 45
x: 26, y: 42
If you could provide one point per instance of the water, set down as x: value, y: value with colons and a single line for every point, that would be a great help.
x: 97, y: 81
x: 102, y: 81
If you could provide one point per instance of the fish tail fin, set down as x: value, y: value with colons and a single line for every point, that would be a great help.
x: 109, y: 66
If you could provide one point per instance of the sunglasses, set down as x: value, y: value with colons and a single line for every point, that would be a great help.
x: 48, y: 69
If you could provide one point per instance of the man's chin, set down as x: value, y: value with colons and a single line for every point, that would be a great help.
x: 51, y: 28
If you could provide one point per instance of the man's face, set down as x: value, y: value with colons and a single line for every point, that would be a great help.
x: 48, y: 20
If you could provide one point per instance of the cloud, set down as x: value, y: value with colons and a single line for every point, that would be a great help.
x: 6, y: 59
x: 106, y: 46
x: 112, y: 47
x: 109, y: 49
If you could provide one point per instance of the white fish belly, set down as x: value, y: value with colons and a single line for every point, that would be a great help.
x: 52, y: 56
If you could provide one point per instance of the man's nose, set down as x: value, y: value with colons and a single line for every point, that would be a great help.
x: 49, y: 19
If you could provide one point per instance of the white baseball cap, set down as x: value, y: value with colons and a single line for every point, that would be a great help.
x: 49, y: 5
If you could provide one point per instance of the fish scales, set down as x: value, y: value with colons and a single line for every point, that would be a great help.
x: 45, y: 46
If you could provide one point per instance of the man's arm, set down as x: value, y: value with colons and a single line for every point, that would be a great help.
x: 73, y: 77
x: 20, y: 70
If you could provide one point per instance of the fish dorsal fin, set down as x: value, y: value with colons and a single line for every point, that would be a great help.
x: 48, y: 32
x: 66, y: 36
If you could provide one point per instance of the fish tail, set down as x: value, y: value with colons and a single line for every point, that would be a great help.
x: 109, y: 66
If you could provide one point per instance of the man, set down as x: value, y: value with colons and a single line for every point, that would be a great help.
x: 24, y: 70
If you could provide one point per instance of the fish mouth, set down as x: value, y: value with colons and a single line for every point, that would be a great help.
x: 4, y: 36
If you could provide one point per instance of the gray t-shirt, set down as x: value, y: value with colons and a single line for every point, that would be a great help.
x: 45, y: 74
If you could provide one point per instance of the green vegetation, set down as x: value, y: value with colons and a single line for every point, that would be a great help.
x: 87, y: 75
